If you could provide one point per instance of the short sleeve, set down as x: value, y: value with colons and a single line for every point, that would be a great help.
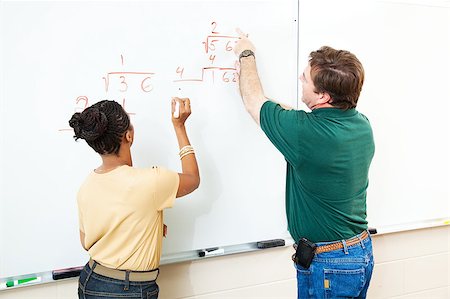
x: 80, y: 220
x: 283, y: 128
x: 166, y: 187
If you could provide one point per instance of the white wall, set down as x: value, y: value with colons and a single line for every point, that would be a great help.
x: 404, y: 47
x: 412, y: 264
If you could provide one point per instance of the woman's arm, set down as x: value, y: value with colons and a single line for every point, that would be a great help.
x: 190, y: 177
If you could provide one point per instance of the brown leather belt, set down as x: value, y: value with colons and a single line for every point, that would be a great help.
x: 121, y: 274
x: 339, y: 245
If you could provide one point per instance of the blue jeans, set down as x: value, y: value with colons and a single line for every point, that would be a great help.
x: 94, y: 286
x: 342, y: 273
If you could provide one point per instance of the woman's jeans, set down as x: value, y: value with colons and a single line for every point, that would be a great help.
x: 342, y: 273
x: 94, y: 286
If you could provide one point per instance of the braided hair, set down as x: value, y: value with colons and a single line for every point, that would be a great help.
x: 102, y: 125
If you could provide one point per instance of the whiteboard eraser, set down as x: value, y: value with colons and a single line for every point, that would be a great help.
x: 66, y: 273
x: 270, y: 243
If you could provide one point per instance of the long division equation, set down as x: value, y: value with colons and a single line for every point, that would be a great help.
x: 214, y: 45
x: 124, y: 81
x: 146, y: 85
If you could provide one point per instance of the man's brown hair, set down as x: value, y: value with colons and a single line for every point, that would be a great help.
x: 338, y: 73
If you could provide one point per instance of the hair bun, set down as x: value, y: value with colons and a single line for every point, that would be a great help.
x: 89, y: 124
x: 76, y: 122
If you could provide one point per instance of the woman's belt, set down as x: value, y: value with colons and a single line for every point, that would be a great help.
x: 122, y: 274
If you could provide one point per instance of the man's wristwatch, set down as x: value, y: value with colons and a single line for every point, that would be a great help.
x: 246, y: 53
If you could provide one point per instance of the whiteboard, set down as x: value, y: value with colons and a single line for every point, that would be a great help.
x: 59, y: 57
x: 403, y: 46
x: 53, y: 54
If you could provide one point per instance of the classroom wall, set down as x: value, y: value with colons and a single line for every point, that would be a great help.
x: 410, y: 264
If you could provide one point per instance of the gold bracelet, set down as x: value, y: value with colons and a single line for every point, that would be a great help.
x: 187, y: 153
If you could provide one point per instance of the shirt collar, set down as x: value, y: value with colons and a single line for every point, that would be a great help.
x: 336, y: 112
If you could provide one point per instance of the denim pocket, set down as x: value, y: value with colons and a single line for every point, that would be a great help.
x: 304, y: 282
x: 151, y: 291
x: 343, y: 283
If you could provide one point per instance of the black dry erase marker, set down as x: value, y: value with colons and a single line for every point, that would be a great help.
x: 211, y: 252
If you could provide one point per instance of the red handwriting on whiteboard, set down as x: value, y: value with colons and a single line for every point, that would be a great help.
x: 145, y: 86
x: 82, y: 102
x: 214, y: 45
x: 227, y: 75
x: 221, y: 42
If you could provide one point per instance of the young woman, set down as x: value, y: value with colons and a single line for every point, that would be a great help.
x: 121, y: 207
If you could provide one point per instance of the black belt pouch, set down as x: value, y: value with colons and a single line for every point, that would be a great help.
x: 304, y: 253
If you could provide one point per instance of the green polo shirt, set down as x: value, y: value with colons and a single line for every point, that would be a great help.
x: 328, y: 153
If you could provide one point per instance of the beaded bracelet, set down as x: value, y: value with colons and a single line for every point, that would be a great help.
x: 186, y: 150
x: 187, y: 153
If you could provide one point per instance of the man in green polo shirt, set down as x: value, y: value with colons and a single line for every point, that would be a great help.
x: 328, y: 153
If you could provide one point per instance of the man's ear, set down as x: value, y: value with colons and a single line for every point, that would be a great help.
x: 324, y: 97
